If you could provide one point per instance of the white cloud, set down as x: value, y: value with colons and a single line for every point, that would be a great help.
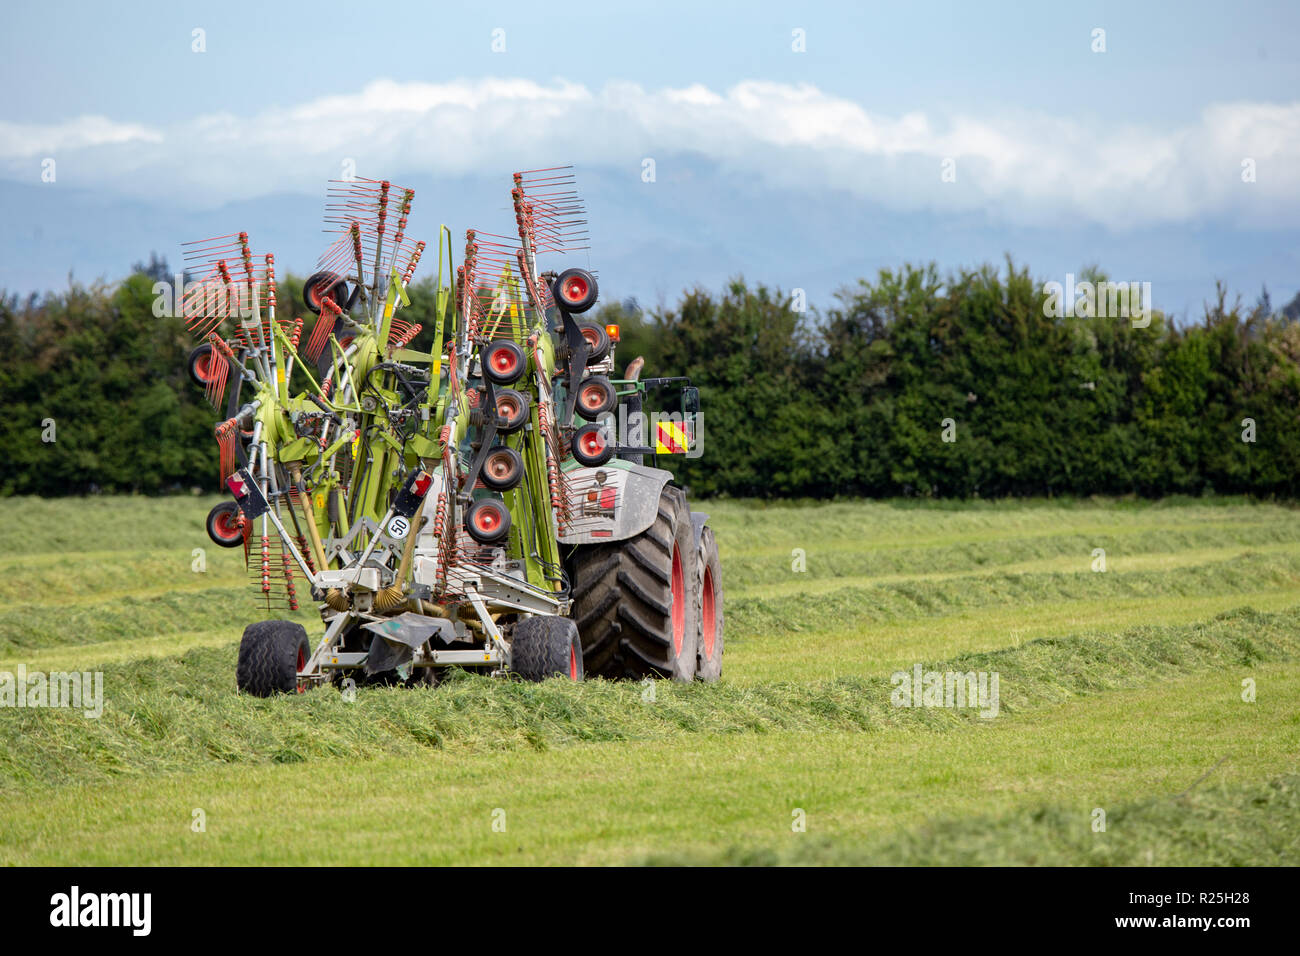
x: 22, y: 140
x: 1031, y: 168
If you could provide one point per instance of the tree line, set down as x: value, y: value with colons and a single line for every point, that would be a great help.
x: 970, y: 383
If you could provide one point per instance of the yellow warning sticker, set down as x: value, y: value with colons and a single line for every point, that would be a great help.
x: 670, y: 438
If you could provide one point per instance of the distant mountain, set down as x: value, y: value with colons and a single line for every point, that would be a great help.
x: 697, y: 224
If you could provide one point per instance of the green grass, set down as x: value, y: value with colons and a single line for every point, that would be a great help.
x: 167, y: 715
x: 1118, y: 689
x: 700, y: 797
x: 1241, y: 825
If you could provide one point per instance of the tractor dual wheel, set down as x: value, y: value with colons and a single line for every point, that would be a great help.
x: 223, y: 525
x: 271, y: 654
x: 546, y: 646
x: 709, y: 592
x: 635, y: 601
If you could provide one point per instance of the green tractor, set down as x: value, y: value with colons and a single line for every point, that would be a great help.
x: 483, y: 504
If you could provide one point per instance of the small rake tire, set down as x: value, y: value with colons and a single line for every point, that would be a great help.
x: 598, y: 341
x: 270, y: 655
x: 575, y: 290
x: 546, y: 646
x: 488, y: 521
x: 596, y: 396
x: 200, y: 365
x: 512, y: 410
x: 709, y: 591
x: 503, y: 469
x: 634, y: 601
x: 590, y: 446
x: 503, y: 362
x: 322, y: 284
x: 223, y: 525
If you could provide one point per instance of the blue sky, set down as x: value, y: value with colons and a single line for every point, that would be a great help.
x: 801, y: 169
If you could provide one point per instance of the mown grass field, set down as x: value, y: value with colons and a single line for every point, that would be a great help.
x: 1120, y: 691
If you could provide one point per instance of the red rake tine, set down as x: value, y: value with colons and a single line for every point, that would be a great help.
x: 324, y: 327
x: 215, y: 390
x: 227, y: 433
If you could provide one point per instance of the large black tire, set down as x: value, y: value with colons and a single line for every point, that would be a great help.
x: 546, y: 646
x: 709, y: 594
x: 634, y: 601
x: 270, y: 656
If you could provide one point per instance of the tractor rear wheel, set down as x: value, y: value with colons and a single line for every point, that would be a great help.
x: 710, y: 597
x: 634, y: 601
x: 546, y: 646
x: 271, y: 654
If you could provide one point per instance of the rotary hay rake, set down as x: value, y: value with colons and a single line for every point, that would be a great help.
x: 466, y: 506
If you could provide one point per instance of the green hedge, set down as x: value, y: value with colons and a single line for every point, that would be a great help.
x: 852, y: 400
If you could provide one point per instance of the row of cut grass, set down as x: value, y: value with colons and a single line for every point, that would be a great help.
x: 1020, y: 789
x: 166, y: 715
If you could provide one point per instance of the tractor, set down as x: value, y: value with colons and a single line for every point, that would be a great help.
x: 483, y: 504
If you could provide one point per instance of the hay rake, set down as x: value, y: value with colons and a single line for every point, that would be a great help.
x: 442, y: 507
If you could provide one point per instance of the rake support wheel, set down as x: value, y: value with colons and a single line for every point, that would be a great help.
x: 596, y: 396
x: 488, y: 521
x: 270, y: 655
x: 598, y: 341
x: 575, y: 290
x: 503, y: 468
x: 634, y: 601
x: 200, y: 365
x: 546, y: 646
x: 322, y: 284
x: 503, y: 362
x: 223, y: 525
x: 512, y: 406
